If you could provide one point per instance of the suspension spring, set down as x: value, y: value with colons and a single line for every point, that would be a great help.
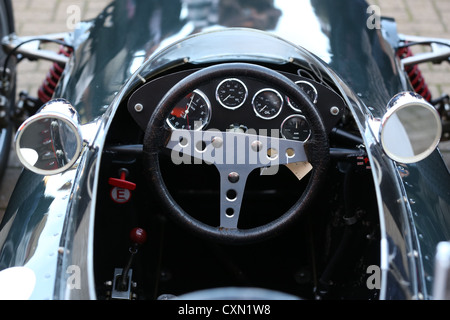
x: 415, y: 75
x: 47, y: 89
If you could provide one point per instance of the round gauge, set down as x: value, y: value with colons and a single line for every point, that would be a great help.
x: 310, y: 91
x: 191, y: 113
x: 267, y: 103
x: 231, y: 93
x: 295, y: 127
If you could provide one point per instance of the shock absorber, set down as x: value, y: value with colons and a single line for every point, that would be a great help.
x: 415, y: 75
x: 48, y: 86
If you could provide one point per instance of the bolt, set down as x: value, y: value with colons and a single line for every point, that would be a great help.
x: 233, y: 177
x: 257, y: 146
x: 217, y: 142
x: 138, y: 107
x: 334, y: 111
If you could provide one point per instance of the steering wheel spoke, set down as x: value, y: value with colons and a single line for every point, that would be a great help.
x: 232, y: 186
x: 234, y: 149
x: 235, y: 155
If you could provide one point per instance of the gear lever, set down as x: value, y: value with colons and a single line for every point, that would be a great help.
x: 122, y: 277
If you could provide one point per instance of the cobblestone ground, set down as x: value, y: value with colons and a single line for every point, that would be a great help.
x: 33, y: 17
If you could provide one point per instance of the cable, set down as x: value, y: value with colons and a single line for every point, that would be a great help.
x: 409, y: 44
x: 27, y: 41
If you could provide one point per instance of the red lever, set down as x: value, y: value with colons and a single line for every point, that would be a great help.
x: 121, y: 182
x: 138, y: 236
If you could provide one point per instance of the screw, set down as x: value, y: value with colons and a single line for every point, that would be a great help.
x: 138, y: 107
x: 257, y: 145
x: 217, y: 142
x: 334, y: 111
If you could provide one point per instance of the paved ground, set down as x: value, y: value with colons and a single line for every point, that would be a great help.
x: 418, y: 17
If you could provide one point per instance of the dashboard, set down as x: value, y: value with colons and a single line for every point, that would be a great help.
x: 238, y: 104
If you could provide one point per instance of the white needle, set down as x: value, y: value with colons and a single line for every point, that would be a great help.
x: 188, y: 107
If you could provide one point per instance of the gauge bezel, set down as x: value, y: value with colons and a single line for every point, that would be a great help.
x: 223, y: 104
x: 294, y: 116
x: 316, y: 94
x: 279, y: 96
x: 208, y: 119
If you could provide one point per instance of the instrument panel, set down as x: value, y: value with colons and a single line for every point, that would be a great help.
x: 238, y: 104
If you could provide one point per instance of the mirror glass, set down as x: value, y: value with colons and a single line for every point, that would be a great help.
x: 411, y: 132
x: 48, y: 145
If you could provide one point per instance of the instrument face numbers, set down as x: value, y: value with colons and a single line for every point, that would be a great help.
x: 267, y: 103
x: 231, y: 93
x: 193, y: 112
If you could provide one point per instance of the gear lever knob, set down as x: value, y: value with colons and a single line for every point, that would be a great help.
x: 138, y: 236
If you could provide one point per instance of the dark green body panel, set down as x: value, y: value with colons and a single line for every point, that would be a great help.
x: 111, y: 47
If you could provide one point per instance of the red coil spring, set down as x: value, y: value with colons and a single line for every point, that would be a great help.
x: 415, y: 75
x: 46, y: 90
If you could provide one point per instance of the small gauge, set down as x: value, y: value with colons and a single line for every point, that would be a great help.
x: 231, y: 93
x: 267, y: 103
x: 310, y: 91
x: 191, y: 113
x: 295, y: 127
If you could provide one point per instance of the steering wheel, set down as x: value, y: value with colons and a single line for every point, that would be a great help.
x: 218, y: 148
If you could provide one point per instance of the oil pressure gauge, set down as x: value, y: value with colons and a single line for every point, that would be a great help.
x: 267, y: 103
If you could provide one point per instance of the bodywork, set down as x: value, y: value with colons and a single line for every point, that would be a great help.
x: 49, y: 223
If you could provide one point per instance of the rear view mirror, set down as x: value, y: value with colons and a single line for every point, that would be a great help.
x: 411, y: 128
x: 50, y: 141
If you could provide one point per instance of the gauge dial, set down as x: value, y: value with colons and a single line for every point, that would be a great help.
x: 231, y: 93
x: 310, y: 91
x: 295, y: 127
x: 191, y: 113
x: 267, y: 103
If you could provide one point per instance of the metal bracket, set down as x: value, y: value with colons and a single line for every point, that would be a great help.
x: 121, y: 295
x: 440, y: 50
x: 32, y: 49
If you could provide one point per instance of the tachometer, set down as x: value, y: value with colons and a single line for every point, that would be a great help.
x: 231, y: 93
x: 267, y: 103
x: 193, y: 112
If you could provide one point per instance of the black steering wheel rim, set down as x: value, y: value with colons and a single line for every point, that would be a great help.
x: 157, y: 135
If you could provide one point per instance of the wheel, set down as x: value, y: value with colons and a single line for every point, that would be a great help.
x: 233, y: 175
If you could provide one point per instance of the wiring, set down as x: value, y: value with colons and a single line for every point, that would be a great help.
x: 410, y: 44
x: 13, y: 51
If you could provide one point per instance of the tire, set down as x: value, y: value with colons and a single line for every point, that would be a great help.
x: 6, y: 131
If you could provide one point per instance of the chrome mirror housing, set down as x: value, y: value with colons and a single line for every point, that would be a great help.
x: 411, y: 128
x: 50, y: 141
